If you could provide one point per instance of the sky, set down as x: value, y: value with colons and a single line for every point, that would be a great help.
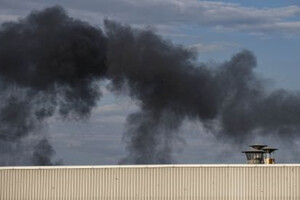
x: 215, y: 30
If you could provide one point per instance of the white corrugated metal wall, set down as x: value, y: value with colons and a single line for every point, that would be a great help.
x: 168, y: 182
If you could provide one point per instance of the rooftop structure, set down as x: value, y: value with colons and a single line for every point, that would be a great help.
x: 260, y: 154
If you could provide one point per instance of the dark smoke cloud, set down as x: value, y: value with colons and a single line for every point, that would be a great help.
x: 162, y: 76
x: 171, y: 87
x: 52, y: 64
x: 249, y: 107
x: 43, y: 153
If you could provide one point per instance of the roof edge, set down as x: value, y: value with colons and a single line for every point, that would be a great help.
x: 146, y: 166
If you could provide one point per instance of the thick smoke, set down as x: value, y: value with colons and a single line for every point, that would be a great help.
x: 52, y: 64
x: 248, y: 107
x: 162, y: 76
x: 49, y: 63
x: 229, y: 99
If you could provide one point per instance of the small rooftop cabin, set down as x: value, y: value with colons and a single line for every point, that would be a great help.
x: 260, y: 154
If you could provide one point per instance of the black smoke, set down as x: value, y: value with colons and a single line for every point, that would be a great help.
x: 171, y: 86
x: 49, y: 63
x: 168, y: 85
x: 52, y: 64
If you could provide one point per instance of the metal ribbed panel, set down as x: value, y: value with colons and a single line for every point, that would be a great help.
x: 195, y: 182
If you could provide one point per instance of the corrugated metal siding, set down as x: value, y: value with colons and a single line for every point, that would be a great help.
x: 230, y: 182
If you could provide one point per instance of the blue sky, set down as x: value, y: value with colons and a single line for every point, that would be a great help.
x: 215, y: 29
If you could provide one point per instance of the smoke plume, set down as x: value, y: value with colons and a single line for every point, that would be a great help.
x: 170, y: 86
x: 52, y: 64
x: 49, y: 63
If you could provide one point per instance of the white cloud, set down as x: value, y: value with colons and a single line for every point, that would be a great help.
x: 124, y: 107
x: 5, y: 18
x: 221, y: 15
x: 225, y: 16
x: 203, y: 48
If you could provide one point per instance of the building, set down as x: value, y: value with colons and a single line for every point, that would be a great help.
x: 152, y: 182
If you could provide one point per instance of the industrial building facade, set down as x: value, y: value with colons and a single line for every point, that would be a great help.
x: 151, y: 182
